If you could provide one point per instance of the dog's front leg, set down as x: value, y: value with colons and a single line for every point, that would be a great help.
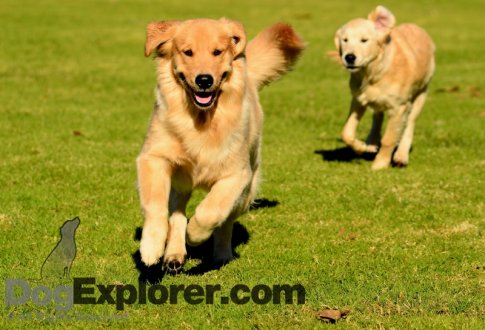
x: 349, y: 132
x: 154, y: 175
x: 175, y: 251
x: 391, y: 136
x: 217, y: 207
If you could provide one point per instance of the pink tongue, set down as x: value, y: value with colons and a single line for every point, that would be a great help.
x: 203, y: 100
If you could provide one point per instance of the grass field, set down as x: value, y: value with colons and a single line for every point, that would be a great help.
x: 399, y: 248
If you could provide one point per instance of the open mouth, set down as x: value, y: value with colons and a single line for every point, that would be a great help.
x: 204, y: 99
x: 352, y: 68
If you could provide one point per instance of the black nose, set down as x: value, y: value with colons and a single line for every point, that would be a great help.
x: 350, y: 58
x: 204, y: 81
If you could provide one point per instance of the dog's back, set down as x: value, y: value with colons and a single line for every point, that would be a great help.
x: 417, y: 48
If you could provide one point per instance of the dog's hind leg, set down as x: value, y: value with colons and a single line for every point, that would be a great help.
x: 223, y: 241
x: 223, y: 235
x: 374, y: 137
x: 175, y: 251
x: 401, y: 157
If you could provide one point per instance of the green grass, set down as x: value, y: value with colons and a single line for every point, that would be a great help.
x: 400, y: 248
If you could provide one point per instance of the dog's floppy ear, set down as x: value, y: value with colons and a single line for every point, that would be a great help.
x: 336, y: 39
x: 237, y: 35
x: 384, y: 21
x: 382, y: 18
x: 158, y: 33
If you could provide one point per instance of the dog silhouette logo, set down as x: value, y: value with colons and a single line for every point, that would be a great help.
x: 58, y: 262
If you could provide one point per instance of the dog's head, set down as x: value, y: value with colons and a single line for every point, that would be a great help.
x: 360, y: 41
x: 201, y: 52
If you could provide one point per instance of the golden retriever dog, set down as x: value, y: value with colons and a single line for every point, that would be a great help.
x: 205, y: 131
x: 390, y: 69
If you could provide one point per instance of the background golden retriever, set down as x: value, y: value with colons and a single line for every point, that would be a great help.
x: 205, y: 130
x: 390, y: 71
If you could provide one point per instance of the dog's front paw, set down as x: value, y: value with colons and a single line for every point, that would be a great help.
x: 174, y: 262
x: 152, y: 246
x: 379, y: 164
x: 175, y: 251
x: 360, y: 147
x: 372, y: 148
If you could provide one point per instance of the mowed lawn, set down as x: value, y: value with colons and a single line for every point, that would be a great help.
x: 399, y: 248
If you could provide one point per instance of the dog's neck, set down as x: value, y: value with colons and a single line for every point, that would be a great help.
x: 202, y: 118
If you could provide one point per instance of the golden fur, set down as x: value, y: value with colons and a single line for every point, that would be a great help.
x: 390, y: 68
x: 205, y: 130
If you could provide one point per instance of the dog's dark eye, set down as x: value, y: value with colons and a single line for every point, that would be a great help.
x: 364, y: 40
x: 188, y: 52
x: 217, y: 52
x: 345, y: 40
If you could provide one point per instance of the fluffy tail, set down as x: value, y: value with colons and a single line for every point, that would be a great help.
x: 272, y: 53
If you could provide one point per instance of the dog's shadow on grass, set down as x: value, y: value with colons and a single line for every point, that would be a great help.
x: 344, y: 154
x: 154, y: 274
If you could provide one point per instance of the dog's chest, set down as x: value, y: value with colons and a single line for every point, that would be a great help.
x: 207, y: 157
x: 374, y: 96
x: 201, y: 170
x: 371, y: 96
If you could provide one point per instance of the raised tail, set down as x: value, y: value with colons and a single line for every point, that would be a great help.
x: 272, y: 53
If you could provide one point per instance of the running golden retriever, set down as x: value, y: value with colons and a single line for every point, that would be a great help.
x: 205, y: 131
x: 390, y: 69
